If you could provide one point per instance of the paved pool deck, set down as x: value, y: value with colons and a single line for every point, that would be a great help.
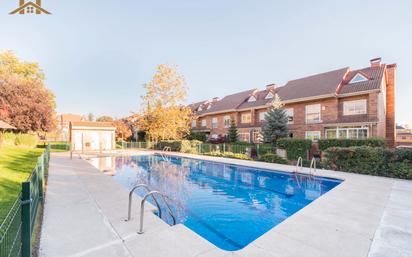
x: 85, y: 213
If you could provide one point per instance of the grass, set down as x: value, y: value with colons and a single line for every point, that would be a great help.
x: 16, y: 164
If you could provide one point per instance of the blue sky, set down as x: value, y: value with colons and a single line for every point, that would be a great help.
x: 97, y: 54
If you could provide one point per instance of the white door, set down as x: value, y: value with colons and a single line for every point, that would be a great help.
x: 95, y: 141
x: 108, y: 140
x: 77, y: 141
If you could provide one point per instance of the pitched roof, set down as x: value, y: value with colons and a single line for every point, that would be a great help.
x: 374, y: 75
x: 95, y: 124
x: 36, y: 6
x: 71, y: 117
x: 327, y: 84
x: 229, y: 102
x: 315, y: 85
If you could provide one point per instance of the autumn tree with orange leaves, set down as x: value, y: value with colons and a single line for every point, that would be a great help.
x: 164, y: 116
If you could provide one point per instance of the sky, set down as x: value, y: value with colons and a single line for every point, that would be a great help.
x: 98, y: 54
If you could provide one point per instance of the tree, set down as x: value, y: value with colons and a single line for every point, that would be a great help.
x: 26, y: 102
x: 90, y: 117
x: 232, y: 132
x: 104, y: 118
x: 123, y: 130
x: 277, y: 122
x: 164, y: 115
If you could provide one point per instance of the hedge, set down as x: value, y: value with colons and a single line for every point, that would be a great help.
x: 229, y: 155
x: 378, y: 161
x: 372, y: 142
x: 185, y: 146
x: 272, y: 158
x: 295, y: 148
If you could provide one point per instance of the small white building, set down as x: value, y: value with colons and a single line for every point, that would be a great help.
x: 92, y: 136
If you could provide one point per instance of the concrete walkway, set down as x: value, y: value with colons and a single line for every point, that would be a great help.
x: 85, y: 212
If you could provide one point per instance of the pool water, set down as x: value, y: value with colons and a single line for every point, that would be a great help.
x: 228, y: 205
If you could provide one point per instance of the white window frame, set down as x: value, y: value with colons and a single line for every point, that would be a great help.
x: 290, y: 114
x: 226, y: 121
x: 246, y: 136
x: 194, y: 123
x: 215, y: 122
x: 307, y: 111
x: 200, y: 109
x: 256, y: 136
x: 360, y: 76
x: 262, y: 116
x: 252, y: 99
x: 244, y: 115
x: 313, y: 138
x: 204, y: 123
x: 348, y: 105
x: 347, y: 129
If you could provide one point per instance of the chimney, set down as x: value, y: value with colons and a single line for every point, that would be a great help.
x: 270, y: 87
x: 215, y: 99
x: 38, y: 2
x: 390, y: 105
x: 21, y: 3
x: 376, y: 62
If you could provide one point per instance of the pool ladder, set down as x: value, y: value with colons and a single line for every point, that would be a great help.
x: 312, y: 168
x: 165, y: 157
x: 150, y: 193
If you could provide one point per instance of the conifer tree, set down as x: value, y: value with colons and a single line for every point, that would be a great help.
x: 232, y: 133
x: 276, y: 122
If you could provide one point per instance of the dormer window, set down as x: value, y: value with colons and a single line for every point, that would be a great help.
x: 269, y: 96
x: 358, y: 78
x: 208, y: 107
x: 200, y: 109
x: 252, y: 99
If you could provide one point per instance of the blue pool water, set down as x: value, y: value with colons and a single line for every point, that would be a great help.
x: 229, y: 205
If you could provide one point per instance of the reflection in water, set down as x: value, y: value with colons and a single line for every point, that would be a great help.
x: 228, y: 205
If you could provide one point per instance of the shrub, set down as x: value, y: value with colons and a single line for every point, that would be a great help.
x: 377, y: 161
x: 229, y: 155
x: 199, y: 136
x: 178, y: 145
x: 372, y: 142
x: 28, y: 140
x: 295, y: 148
x: 272, y: 158
x: 403, y: 154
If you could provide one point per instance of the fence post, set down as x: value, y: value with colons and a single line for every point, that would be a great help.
x: 25, y: 219
x: 41, y: 175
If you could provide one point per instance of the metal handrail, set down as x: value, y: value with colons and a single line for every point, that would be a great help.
x: 167, y: 149
x: 300, y: 161
x: 151, y: 193
x: 129, y: 211
x: 312, y: 166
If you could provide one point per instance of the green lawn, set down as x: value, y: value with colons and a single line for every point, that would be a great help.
x: 16, y: 164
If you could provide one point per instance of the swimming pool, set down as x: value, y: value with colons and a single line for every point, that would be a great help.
x: 228, y: 205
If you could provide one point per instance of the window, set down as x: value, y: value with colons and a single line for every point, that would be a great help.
x: 252, y: 99
x: 313, y: 113
x: 347, y: 132
x: 244, y: 137
x: 204, y: 123
x: 289, y: 113
x: 358, y: 78
x: 245, y: 118
x: 226, y: 121
x: 257, y: 137
x: 269, y: 95
x: 200, y: 109
x: 354, y: 107
x: 313, y: 135
x: 214, y: 122
x: 193, y: 123
x: 262, y: 116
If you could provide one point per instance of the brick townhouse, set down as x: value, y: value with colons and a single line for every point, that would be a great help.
x: 342, y: 103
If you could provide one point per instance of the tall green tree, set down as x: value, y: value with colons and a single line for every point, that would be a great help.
x: 232, y: 132
x: 276, y: 122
